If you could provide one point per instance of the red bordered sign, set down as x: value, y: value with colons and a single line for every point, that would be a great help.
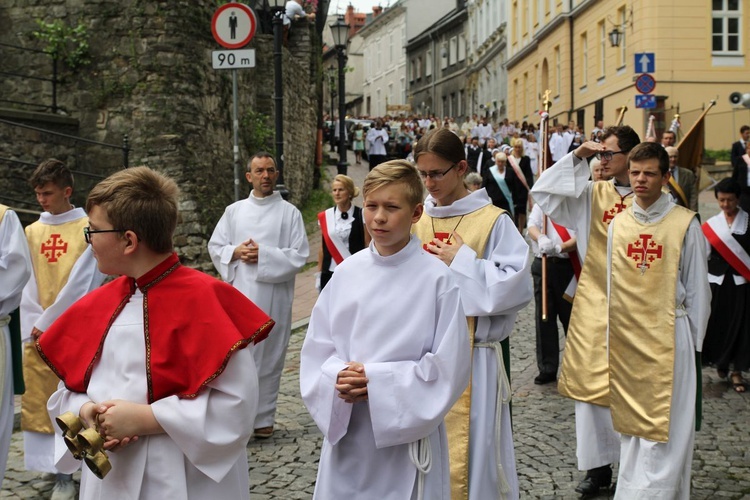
x: 233, y: 25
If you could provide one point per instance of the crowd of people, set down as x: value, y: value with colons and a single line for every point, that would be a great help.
x: 412, y: 396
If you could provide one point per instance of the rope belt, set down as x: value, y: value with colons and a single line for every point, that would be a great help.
x: 420, y: 453
x: 4, y: 321
x: 503, y: 397
x: 680, y: 311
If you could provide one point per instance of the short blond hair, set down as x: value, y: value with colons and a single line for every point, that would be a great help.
x: 396, y: 172
x: 348, y: 184
x: 515, y: 141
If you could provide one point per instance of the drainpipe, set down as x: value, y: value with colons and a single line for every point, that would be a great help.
x: 572, y: 60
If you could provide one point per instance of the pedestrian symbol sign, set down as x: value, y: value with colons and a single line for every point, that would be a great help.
x: 233, y: 25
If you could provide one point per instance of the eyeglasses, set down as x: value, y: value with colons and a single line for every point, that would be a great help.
x: 607, y: 155
x: 435, y: 176
x: 87, y: 232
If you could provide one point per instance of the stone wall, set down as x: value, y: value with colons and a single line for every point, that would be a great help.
x: 151, y: 78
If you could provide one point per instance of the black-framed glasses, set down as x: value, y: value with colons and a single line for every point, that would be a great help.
x: 435, y: 176
x: 87, y: 232
x: 607, y: 155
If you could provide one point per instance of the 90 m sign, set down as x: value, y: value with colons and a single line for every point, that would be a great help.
x: 233, y: 59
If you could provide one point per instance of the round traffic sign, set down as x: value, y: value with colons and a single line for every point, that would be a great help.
x: 233, y: 25
x: 645, y: 83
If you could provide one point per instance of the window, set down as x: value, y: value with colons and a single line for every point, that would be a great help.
x: 621, y: 14
x: 525, y: 100
x: 726, y: 20
x: 584, y: 60
x: 461, y: 48
x: 419, y: 68
x: 443, y: 55
x: 389, y: 99
x: 602, y: 49
x: 459, y: 104
x: 413, y: 74
x: 390, y: 48
x: 453, y: 54
x: 558, y: 69
x: 428, y: 64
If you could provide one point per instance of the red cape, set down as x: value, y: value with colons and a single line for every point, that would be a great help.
x: 193, y: 323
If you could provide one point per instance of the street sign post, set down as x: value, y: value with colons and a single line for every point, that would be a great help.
x: 645, y: 62
x: 233, y: 59
x: 645, y: 101
x: 645, y: 83
x: 233, y: 25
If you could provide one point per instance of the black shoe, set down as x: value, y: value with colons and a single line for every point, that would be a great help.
x: 545, y: 378
x: 595, y: 480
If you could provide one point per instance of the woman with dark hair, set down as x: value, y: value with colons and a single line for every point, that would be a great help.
x: 342, y: 229
x: 490, y: 261
x: 727, y: 342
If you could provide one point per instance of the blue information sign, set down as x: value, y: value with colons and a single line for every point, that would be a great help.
x: 645, y: 101
x: 645, y: 62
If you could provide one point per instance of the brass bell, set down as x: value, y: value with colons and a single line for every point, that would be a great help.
x: 71, y: 425
x: 98, y: 463
x: 84, y: 444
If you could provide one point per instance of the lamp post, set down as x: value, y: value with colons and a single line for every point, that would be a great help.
x: 332, y: 89
x: 277, y: 9
x: 340, y: 32
x: 615, y: 36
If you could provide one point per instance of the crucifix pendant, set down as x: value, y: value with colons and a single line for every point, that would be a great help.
x: 643, y: 266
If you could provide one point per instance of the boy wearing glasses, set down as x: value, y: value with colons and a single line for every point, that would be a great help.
x: 489, y: 259
x: 155, y: 360
x: 378, y: 375
x: 565, y: 193
x: 63, y: 271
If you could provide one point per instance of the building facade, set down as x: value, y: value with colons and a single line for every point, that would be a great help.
x: 696, y: 51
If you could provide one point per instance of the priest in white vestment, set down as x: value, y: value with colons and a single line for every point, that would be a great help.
x: 259, y: 245
x: 15, y: 269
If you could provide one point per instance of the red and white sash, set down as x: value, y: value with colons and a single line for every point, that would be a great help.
x: 338, y: 250
x: 718, y: 234
x: 575, y: 261
x: 519, y: 173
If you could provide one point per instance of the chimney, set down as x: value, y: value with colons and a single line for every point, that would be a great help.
x: 376, y: 11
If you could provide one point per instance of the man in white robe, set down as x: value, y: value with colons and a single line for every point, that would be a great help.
x: 565, y: 193
x: 649, y: 468
x: 15, y: 269
x: 495, y: 284
x: 259, y: 245
x: 63, y: 271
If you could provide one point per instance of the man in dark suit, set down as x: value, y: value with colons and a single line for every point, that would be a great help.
x: 684, y: 188
x: 739, y: 166
x: 738, y: 148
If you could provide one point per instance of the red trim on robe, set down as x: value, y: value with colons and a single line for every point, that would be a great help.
x: 195, y: 323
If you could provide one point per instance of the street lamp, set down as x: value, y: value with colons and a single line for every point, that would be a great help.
x: 332, y: 89
x: 277, y: 9
x: 340, y: 32
x: 615, y: 37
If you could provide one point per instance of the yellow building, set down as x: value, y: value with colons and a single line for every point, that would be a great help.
x: 700, y: 51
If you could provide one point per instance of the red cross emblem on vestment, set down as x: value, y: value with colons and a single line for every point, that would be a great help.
x: 54, y: 248
x: 644, y: 251
x: 610, y: 214
x: 444, y: 237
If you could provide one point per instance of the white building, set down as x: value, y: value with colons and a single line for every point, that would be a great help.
x: 384, y: 79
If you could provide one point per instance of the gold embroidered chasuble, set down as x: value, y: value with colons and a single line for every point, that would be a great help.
x: 585, y: 372
x: 3, y: 209
x: 54, y: 251
x: 645, y: 263
x: 475, y: 229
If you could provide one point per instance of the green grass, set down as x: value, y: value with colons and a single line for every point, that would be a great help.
x: 318, y: 201
x: 719, y: 154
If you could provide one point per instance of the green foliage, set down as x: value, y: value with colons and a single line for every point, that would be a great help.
x: 255, y: 133
x: 318, y: 201
x: 71, y: 44
x: 719, y: 154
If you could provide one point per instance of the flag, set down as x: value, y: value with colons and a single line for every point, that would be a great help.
x: 691, y: 149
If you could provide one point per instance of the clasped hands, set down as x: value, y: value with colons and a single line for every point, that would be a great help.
x: 247, y: 252
x: 352, y: 383
x: 119, y: 422
x: 445, y: 251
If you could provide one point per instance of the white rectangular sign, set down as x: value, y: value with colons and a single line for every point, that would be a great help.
x: 233, y: 59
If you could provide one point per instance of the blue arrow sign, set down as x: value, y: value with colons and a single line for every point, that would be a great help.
x: 645, y: 62
x: 645, y: 101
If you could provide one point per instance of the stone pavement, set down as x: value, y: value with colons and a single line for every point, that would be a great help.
x: 284, y: 467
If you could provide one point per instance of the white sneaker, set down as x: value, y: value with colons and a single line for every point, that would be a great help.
x: 64, y: 490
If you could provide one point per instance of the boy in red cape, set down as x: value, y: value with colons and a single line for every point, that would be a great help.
x: 155, y: 360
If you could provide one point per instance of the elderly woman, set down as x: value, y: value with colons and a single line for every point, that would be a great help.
x: 502, y: 184
x: 727, y: 342
x: 342, y: 229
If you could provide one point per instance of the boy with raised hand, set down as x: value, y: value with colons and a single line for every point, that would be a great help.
x: 156, y: 359
x: 63, y: 271
x: 655, y: 248
x: 386, y: 355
